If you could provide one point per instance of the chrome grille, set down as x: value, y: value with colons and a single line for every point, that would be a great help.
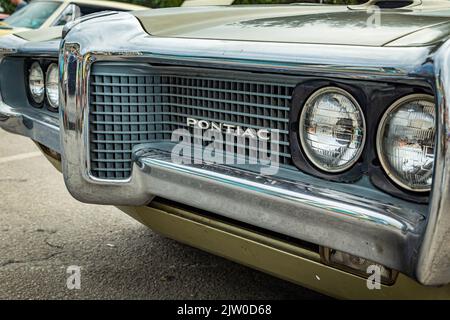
x: 134, y: 104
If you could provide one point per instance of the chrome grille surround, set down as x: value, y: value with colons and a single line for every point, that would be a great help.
x: 333, y: 220
x: 131, y: 104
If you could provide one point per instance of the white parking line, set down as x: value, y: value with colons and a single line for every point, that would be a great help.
x: 21, y: 156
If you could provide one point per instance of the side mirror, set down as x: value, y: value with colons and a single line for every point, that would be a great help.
x: 70, y: 13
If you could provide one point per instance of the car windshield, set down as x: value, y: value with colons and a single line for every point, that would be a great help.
x: 33, y: 15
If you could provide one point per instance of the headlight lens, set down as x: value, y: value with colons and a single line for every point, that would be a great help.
x: 332, y: 129
x: 51, y: 85
x: 36, y: 82
x: 405, y: 142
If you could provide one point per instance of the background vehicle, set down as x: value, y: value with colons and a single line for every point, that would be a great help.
x: 48, y: 13
x: 3, y: 15
x: 193, y: 3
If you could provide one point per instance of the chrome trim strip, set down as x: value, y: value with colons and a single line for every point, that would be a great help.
x: 433, y: 267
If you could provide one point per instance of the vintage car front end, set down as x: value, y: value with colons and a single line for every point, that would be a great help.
x: 132, y: 100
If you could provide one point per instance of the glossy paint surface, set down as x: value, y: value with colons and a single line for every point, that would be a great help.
x: 296, y: 23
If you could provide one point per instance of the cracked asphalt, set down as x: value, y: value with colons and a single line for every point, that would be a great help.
x: 43, y: 231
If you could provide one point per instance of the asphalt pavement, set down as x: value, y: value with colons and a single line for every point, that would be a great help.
x: 43, y: 231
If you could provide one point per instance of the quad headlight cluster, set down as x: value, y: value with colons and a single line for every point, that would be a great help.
x: 44, y: 85
x: 332, y: 130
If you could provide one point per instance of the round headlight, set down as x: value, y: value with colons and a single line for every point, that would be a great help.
x: 332, y: 129
x: 405, y: 142
x: 51, y: 85
x: 36, y: 82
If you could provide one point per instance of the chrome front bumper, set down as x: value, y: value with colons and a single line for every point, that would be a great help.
x: 389, y: 232
x: 31, y: 123
x: 322, y: 216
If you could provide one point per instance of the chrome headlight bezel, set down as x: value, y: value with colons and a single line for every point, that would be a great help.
x: 301, y: 124
x: 37, y: 99
x: 380, y: 130
x: 52, y: 67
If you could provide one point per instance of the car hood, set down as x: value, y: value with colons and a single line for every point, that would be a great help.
x: 315, y: 24
x: 33, y: 42
x: 6, y: 31
x: 43, y: 34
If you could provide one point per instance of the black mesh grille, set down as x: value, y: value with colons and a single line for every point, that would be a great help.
x: 130, y: 105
